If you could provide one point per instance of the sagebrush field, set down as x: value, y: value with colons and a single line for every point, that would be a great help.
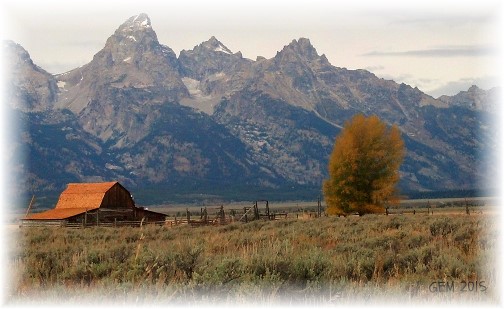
x: 315, y: 261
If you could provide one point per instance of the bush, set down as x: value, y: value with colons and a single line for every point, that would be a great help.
x: 442, y: 227
x: 284, y: 255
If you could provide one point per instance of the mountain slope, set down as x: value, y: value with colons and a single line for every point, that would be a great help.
x: 141, y: 136
x: 298, y: 76
x: 114, y: 93
x: 290, y: 141
x: 207, y: 69
x: 212, y: 121
x: 28, y: 87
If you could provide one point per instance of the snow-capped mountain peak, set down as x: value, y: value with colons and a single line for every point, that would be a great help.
x: 137, y: 22
x: 215, y: 45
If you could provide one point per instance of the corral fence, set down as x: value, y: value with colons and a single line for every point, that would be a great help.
x: 211, y: 216
x: 218, y: 216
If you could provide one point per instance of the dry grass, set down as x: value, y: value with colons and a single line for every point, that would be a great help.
x: 317, y: 261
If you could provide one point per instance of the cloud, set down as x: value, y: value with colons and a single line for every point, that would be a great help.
x: 443, y: 51
x: 409, y: 79
x: 436, y: 88
x: 454, y: 87
x: 375, y: 68
x: 401, y: 78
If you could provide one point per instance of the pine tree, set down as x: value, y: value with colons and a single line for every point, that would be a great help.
x: 364, y: 167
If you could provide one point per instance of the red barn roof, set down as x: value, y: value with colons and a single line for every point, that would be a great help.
x: 57, y: 214
x: 76, y: 199
x: 84, y: 195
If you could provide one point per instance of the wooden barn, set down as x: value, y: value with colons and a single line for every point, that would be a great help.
x: 95, y: 204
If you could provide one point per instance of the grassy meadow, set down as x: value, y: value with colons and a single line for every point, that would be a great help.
x: 328, y: 260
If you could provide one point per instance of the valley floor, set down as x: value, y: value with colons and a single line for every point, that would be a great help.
x: 374, y: 259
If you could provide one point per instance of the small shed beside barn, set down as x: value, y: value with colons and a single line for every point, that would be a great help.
x: 94, y: 204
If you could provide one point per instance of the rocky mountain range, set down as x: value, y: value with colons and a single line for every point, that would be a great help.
x: 210, y: 124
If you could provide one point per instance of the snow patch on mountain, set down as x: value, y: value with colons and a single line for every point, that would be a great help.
x: 138, y: 22
x: 193, y: 87
x: 198, y: 100
x: 221, y: 48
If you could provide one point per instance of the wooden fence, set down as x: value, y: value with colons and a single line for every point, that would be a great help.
x: 204, y: 218
x: 66, y: 224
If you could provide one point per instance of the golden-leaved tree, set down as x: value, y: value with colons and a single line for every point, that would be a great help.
x: 364, y: 167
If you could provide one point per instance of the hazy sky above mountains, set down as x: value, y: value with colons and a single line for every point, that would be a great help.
x: 442, y: 47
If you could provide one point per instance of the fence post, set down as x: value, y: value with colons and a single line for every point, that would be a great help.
x: 222, y: 216
x: 232, y: 215
x: 319, y: 207
x: 245, y: 211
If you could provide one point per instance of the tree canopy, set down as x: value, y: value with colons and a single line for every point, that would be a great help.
x: 364, y: 167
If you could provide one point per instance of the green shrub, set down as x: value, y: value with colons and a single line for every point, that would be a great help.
x: 395, y: 223
x: 187, y: 259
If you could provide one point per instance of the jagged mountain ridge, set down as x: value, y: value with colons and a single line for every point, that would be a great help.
x: 277, y: 118
x: 298, y: 76
x: 474, y: 98
x: 113, y: 93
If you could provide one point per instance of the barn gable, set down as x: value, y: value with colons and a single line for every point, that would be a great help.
x: 95, y: 195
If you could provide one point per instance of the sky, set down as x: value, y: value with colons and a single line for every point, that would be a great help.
x: 441, y: 47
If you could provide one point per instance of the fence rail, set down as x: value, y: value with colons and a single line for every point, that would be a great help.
x: 64, y: 223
